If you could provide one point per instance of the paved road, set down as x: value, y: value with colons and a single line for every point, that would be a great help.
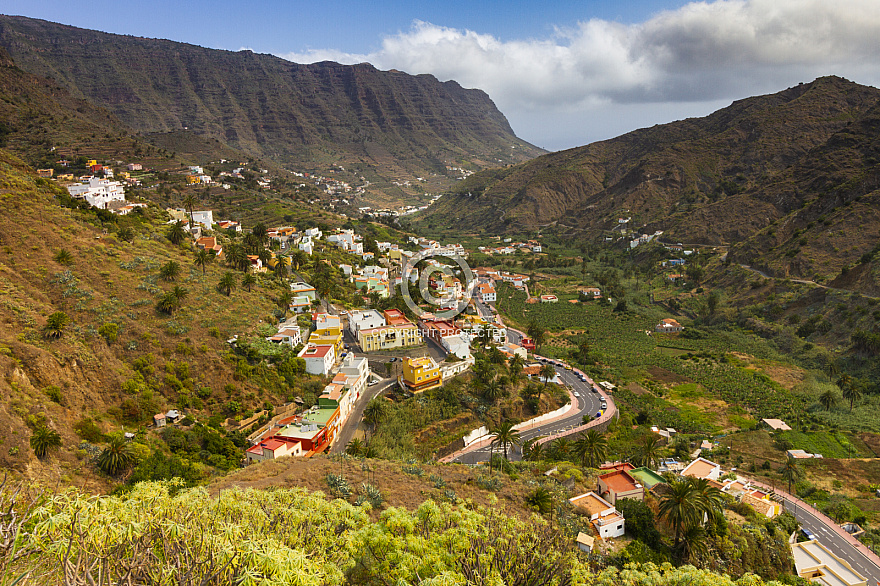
x: 835, y: 542
x: 588, y: 403
x: 346, y: 434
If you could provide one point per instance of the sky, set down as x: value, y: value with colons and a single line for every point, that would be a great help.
x: 565, y: 73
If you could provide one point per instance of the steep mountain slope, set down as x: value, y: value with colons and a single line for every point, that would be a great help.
x: 724, y: 178
x: 267, y: 106
x: 152, y: 361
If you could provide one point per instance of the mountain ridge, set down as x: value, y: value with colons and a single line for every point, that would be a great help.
x: 270, y: 107
x: 721, y: 179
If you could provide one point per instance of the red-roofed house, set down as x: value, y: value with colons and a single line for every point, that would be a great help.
x: 667, y: 326
x: 620, y: 485
x: 319, y: 359
x: 274, y: 447
x: 702, y: 468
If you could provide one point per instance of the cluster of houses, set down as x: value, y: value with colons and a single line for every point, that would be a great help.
x: 511, y: 247
x: 622, y: 480
x: 494, y: 275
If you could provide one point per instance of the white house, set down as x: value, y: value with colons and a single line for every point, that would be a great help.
x: 300, y: 304
x: 305, y: 244
x: 487, y: 293
x: 205, y: 218
x: 288, y: 333
x: 319, y: 359
x: 272, y: 448
x: 364, y: 320
x: 604, y: 517
x: 98, y: 192
x: 314, y: 233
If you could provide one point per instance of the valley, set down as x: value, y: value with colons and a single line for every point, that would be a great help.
x: 274, y: 323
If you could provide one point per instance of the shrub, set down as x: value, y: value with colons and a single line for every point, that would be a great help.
x: 109, y: 331
x: 54, y: 393
x: 88, y: 430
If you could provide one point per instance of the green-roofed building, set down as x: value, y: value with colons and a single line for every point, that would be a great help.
x: 646, y: 477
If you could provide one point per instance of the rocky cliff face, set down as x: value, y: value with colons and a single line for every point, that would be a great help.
x: 267, y: 106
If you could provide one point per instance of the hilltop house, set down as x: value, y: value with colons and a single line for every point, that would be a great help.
x: 667, y: 326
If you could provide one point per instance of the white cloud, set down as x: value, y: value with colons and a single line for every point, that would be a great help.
x: 700, y: 54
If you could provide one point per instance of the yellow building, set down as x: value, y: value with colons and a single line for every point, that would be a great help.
x: 92, y: 163
x: 325, y: 323
x: 327, y: 339
x: 192, y: 179
x: 421, y: 374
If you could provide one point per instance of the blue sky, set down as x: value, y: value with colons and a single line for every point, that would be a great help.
x: 564, y: 73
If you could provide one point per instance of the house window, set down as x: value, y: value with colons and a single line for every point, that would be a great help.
x: 620, y: 526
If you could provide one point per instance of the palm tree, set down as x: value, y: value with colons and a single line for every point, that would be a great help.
x: 560, y: 448
x: 547, y: 373
x: 505, y: 436
x: 493, y: 390
x: 282, y: 263
x: 203, y: 258
x: 189, y: 202
x: 828, y: 399
x: 226, y: 285
x: 116, y: 457
x: 680, y: 507
x: 374, y: 413
x: 532, y: 450
x: 43, y: 440
x: 831, y: 369
x: 180, y: 293
x: 710, y: 499
x: 236, y: 257
x: 168, y: 303
x: 169, y: 271
x: 515, y: 366
x: 541, y: 499
x: 265, y: 255
x: 591, y: 446
x: 298, y: 257
x: 649, y: 450
x: 849, y: 389
x: 284, y: 300
x: 355, y: 447
x: 791, y: 472
x: 248, y: 281
x: 63, y: 257
x: 693, y: 542
x: 259, y: 230
x: 176, y: 233
x: 55, y: 324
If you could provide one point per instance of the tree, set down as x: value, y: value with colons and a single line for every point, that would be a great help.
x: 259, y: 230
x: 649, y: 450
x: 227, y: 284
x: 532, y: 450
x: 168, y: 303
x: 493, y: 389
x: 713, y: 301
x: 591, y: 446
x: 116, y: 457
x: 282, y: 264
x: 236, y: 257
x: 537, y: 333
x: 43, y: 440
x: 55, y: 324
x: 679, y: 507
x: 828, y: 399
x: 125, y: 234
x: 189, y: 202
x: 203, y: 258
x: 505, y: 436
x: 63, y: 257
x: 284, y: 300
x: 248, y: 281
x: 547, y: 373
x: 180, y: 293
x: 176, y: 234
x: 541, y: 499
x: 355, y: 447
x: 790, y: 472
x: 515, y: 366
x: 849, y: 389
x: 374, y: 413
x: 560, y: 447
x: 169, y: 271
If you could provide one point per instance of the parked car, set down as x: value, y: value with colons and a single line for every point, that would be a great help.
x: 598, y: 415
